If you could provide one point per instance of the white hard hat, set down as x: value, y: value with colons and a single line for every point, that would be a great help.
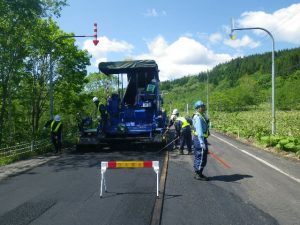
x: 57, y: 118
x: 175, y: 112
x: 95, y: 99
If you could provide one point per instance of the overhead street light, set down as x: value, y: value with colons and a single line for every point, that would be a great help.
x: 207, y: 96
x: 95, y: 41
x: 231, y: 35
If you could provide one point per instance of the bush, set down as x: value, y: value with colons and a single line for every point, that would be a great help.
x: 283, y: 142
x: 291, y: 147
x: 265, y: 140
x: 274, y: 140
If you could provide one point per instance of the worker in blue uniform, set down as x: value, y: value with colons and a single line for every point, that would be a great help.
x: 103, y: 118
x: 200, y: 135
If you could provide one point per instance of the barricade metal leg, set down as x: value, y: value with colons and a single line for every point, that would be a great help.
x: 155, y: 165
x: 103, y: 182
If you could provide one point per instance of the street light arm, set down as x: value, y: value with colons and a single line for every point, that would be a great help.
x: 254, y: 28
x: 70, y: 36
x: 273, y: 68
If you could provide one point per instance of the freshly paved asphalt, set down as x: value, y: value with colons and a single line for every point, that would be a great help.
x: 66, y: 191
x: 241, y: 190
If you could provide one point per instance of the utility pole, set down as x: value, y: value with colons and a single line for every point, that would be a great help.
x: 187, y: 108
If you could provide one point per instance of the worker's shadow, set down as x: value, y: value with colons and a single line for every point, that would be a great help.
x: 230, y: 178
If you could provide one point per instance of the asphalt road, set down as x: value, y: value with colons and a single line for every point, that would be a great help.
x: 66, y: 191
x: 247, y: 186
x: 242, y: 189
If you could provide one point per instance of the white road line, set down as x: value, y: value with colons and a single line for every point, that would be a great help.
x: 259, y: 159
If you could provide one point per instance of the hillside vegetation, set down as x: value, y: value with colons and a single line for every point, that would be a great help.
x: 239, y: 97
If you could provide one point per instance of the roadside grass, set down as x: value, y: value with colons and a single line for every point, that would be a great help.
x: 255, y: 125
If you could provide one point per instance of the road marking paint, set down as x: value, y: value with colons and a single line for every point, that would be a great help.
x: 219, y: 159
x: 259, y: 159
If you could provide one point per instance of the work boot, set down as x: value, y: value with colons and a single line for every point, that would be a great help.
x: 180, y: 152
x: 199, y: 176
x: 190, y: 153
x: 204, y: 178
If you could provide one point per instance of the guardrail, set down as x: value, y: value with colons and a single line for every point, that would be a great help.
x: 23, y: 148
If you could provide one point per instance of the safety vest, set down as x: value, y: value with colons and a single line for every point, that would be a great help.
x: 205, y: 134
x: 55, y: 129
x: 185, y: 123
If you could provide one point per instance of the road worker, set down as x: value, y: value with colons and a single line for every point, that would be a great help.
x: 56, y: 132
x: 171, y: 125
x: 103, y: 115
x: 200, y: 135
x: 183, y: 129
x: 173, y: 117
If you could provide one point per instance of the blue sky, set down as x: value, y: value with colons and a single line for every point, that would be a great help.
x: 184, y: 37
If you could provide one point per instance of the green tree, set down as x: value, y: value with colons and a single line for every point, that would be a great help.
x: 17, y: 19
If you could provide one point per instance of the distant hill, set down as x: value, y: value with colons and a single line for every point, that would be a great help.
x: 240, y: 84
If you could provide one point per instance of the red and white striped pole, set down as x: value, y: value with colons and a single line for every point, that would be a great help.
x: 95, y: 41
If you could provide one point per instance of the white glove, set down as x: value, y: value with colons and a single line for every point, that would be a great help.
x: 203, y: 146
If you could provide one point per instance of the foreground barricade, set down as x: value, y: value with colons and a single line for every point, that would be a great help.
x: 128, y: 164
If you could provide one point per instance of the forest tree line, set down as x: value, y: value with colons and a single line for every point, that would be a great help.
x: 30, y: 45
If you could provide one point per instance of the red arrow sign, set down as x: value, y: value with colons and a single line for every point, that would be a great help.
x: 95, y: 42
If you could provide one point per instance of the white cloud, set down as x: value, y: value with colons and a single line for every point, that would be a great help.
x: 104, y: 47
x: 185, y: 56
x: 154, y: 13
x: 215, y: 38
x: 283, y: 24
x: 245, y: 41
x: 151, y: 13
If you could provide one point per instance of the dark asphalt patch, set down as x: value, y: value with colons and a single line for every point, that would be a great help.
x: 26, y: 213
